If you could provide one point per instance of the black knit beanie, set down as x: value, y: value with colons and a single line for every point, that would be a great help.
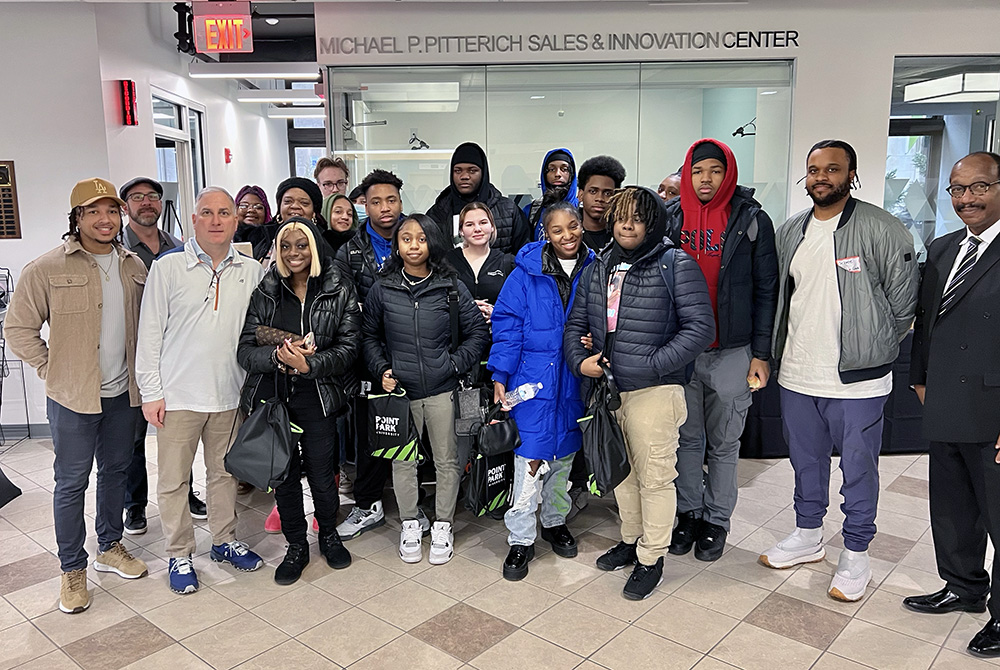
x: 307, y: 185
x: 708, y: 150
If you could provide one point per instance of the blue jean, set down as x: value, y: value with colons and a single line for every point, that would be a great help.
x: 813, y: 428
x: 77, y: 440
x: 520, y: 518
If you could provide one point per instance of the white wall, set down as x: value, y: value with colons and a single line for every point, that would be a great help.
x: 61, y: 123
x: 141, y: 53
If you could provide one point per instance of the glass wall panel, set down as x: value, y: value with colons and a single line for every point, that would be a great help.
x: 646, y: 115
x: 408, y: 120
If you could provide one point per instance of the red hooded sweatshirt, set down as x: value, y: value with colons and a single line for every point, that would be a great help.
x: 705, y: 224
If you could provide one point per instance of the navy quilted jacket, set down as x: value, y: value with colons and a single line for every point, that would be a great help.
x: 657, y: 336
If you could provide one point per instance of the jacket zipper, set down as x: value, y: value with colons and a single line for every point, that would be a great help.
x: 416, y: 330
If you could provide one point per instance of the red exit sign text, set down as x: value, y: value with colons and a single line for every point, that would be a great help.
x: 223, y: 34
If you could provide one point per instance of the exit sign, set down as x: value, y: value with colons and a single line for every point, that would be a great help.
x: 222, y: 27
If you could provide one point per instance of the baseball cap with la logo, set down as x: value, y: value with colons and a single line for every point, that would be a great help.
x: 91, y: 190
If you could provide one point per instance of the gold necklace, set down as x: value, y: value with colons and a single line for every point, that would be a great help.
x: 107, y: 273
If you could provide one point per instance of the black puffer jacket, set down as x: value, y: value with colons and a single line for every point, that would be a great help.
x: 333, y: 316
x: 407, y: 328
x: 656, y: 336
x: 513, y: 229
x: 748, y: 278
x: 356, y: 260
x: 496, y: 268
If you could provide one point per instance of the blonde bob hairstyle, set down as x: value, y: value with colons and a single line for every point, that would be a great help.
x: 297, y: 223
x: 471, y: 207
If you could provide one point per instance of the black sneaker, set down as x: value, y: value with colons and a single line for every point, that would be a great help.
x: 135, y: 521
x: 562, y: 541
x: 643, y: 580
x: 617, y: 557
x: 515, y: 566
x: 290, y: 569
x: 334, y: 551
x: 197, y: 506
x: 685, y: 534
x: 711, y: 542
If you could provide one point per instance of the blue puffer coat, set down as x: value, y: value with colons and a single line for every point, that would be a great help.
x: 528, y: 323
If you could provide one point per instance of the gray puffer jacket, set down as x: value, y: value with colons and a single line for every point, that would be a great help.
x: 878, y: 291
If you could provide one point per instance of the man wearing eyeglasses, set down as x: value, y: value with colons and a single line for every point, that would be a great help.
x: 142, y: 236
x: 955, y: 371
x: 331, y: 174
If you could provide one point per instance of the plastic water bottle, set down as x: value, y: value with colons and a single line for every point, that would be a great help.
x: 522, y: 393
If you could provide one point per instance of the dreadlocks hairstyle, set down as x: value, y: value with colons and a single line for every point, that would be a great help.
x: 852, y: 156
x: 622, y: 202
x: 73, y: 230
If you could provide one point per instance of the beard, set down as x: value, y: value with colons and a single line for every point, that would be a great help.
x: 147, y: 219
x: 838, y: 193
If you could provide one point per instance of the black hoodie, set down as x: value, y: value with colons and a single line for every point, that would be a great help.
x: 513, y: 231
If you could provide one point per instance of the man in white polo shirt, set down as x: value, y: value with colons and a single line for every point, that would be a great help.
x: 195, y: 303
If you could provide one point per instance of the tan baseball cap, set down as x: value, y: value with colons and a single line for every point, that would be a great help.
x: 92, y: 190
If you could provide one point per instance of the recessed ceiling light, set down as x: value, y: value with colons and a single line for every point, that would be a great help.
x: 538, y: 97
x: 271, y: 21
x: 768, y: 92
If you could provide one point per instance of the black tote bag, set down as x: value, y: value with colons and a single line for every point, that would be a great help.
x: 262, y: 452
x: 392, y: 433
x: 603, y: 442
x: 491, y: 480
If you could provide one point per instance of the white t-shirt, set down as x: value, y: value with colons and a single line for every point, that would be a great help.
x: 810, y: 363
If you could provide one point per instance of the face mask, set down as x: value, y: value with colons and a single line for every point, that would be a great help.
x: 361, y: 212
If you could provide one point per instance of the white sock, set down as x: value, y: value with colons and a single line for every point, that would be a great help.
x: 853, y: 564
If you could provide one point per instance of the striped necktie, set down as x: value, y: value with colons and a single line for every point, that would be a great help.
x: 971, y: 253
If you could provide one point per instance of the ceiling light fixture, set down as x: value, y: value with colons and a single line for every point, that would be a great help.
x: 538, y: 97
x: 279, y: 96
x: 296, y: 113
x: 297, y: 71
x: 967, y: 87
x: 768, y: 92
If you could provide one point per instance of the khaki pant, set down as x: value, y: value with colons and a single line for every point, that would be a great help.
x: 176, y: 444
x: 650, y: 418
x: 438, y: 413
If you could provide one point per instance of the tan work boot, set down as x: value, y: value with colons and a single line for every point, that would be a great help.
x: 73, y: 594
x: 118, y: 560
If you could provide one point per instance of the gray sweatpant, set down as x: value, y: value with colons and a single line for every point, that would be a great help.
x: 438, y: 413
x: 718, y: 398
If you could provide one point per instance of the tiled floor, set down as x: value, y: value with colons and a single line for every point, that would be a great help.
x: 382, y: 613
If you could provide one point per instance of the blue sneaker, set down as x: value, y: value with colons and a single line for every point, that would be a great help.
x: 182, y: 576
x: 237, y: 554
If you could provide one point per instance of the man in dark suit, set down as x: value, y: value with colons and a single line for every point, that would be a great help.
x: 955, y: 371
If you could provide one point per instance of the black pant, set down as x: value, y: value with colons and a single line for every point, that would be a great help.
x: 965, y: 507
x: 137, y: 481
x: 372, y: 473
x: 320, y: 459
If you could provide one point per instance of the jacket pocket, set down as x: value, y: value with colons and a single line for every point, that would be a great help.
x: 69, y: 294
x: 991, y: 379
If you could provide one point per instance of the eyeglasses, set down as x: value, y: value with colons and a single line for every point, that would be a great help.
x: 139, y: 197
x: 978, y: 188
x: 257, y: 208
x: 340, y: 183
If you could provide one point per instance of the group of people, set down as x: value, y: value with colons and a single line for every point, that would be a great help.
x: 686, y: 296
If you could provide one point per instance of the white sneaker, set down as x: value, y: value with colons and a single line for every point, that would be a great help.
x: 425, y: 523
x: 846, y: 587
x: 360, y: 521
x: 798, y: 548
x: 442, y: 543
x: 410, y: 550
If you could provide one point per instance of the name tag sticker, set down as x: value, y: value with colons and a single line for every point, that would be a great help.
x: 851, y: 263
